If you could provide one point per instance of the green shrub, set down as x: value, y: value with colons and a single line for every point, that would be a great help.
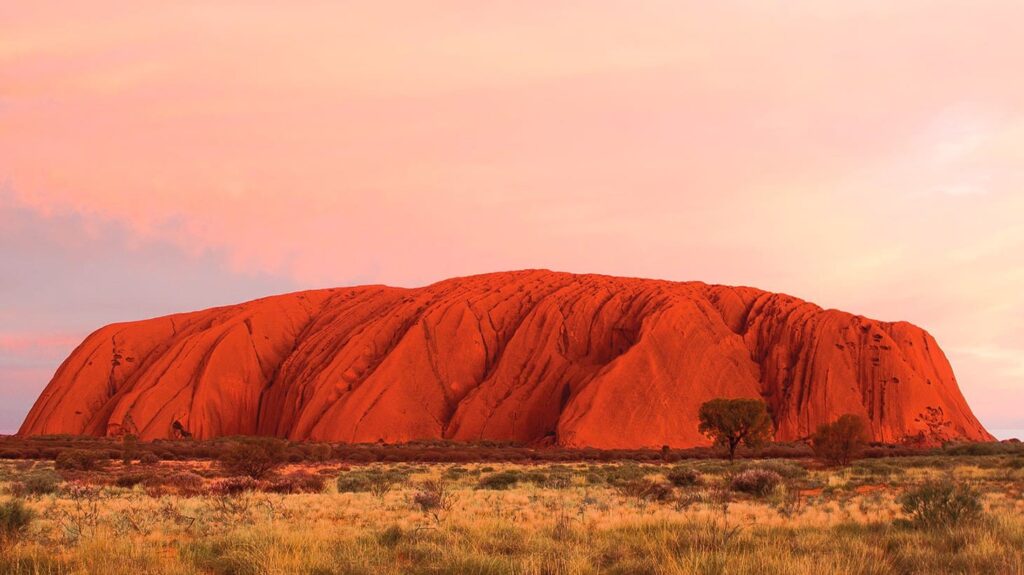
x: 981, y: 448
x: 455, y: 472
x: 298, y: 482
x: 534, y: 476
x: 391, y: 536
x: 376, y: 481
x: 556, y: 480
x: 712, y: 467
x: 353, y: 483
x: 185, y: 483
x: 842, y: 441
x: 129, y: 480
x: 500, y: 481
x: 786, y: 469
x: 318, y: 452
x: 758, y: 482
x: 877, y: 469
x: 232, y: 486
x: 941, y: 504
x: 645, y: 490
x: 928, y: 462
x: 43, y: 482
x: 683, y: 477
x: 80, y: 459
x: 621, y: 474
x: 15, y: 519
x: 254, y: 457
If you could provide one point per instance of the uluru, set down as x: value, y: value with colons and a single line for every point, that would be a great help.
x: 538, y: 357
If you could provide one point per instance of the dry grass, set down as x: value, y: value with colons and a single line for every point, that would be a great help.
x: 574, y: 519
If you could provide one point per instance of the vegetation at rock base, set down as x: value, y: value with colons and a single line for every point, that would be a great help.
x: 242, y: 505
x: 952, y: 510
x: 842, y: 441
x: 254, y: 457
x: 730, y: 422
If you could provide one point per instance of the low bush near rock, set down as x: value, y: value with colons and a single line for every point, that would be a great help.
x: 645, y: 490
x: 500, y: 481
x: 185, y: 483
x: 376, y: 481
x: 785, y: 469
x: 942, y: 504
x: 841, y: 441
x: 683, y: 477
x: 131, y: 479
x: 254, y: 457
x: 233, y: 486
x: 353, y: 483
x: 758, y: 482
x: 299, y: 482
x: 618, y: 474
x: 80, y: 460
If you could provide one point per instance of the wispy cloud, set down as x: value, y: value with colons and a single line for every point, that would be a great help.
x: 1007, y: 361
x: 866, y: 156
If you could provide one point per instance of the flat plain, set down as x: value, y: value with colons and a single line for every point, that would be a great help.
x: 875, y: 516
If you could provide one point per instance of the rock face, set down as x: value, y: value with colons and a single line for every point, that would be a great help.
x: 531, y: 356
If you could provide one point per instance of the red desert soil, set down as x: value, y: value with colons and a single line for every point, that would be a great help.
x: 532, y: 356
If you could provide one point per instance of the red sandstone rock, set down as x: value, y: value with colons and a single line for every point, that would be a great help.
x: 531, y: 356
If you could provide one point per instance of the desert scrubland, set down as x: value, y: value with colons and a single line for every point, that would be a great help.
x: 945, y: 512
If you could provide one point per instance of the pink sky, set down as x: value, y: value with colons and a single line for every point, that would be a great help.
x: 863, y: 155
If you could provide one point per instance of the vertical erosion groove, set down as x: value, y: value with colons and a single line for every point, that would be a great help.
x: 532, y: 356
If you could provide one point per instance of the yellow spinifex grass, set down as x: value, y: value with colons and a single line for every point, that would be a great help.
x: 825, y: 521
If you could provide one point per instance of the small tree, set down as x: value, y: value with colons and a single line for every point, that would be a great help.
x: 730, y: 422
x: 841, y: 441
x: 255, y: 457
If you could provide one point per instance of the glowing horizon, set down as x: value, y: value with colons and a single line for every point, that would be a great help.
x: 863, y: 156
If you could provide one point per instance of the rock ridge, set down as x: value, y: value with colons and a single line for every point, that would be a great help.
x: 533, y: 356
